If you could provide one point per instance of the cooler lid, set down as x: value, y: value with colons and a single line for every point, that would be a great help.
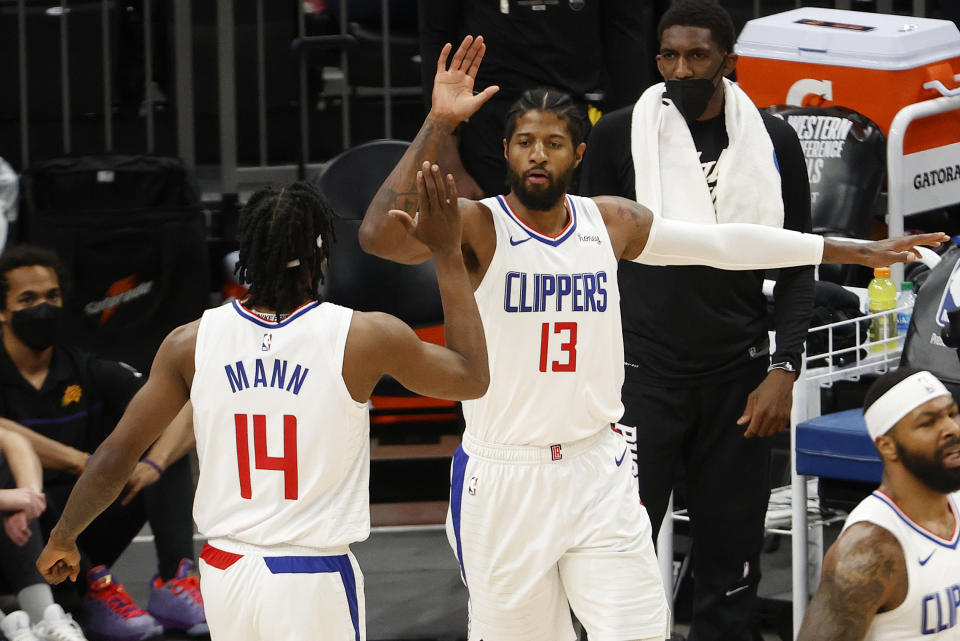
x: 849, y: 39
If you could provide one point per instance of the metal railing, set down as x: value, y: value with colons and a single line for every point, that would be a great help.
x: 231, y: 174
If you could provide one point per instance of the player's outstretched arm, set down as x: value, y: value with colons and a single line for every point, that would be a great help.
x: 147, y: 415
x: 453, y: 102
x: 381, y: 344
x: 863, y: 573
x: 656, y: 241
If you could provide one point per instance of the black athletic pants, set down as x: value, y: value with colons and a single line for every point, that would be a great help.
x: 167, y: 505
x: 692, y: 433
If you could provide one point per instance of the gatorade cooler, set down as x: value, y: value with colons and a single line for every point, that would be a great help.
x: 875, y: 64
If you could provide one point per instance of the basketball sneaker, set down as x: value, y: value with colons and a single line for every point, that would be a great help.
x: 16, y: 627
x: 177, y: 603
x: 57, y: 625
x: 109, y: 613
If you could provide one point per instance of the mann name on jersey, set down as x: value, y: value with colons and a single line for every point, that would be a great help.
x: 278, y: 378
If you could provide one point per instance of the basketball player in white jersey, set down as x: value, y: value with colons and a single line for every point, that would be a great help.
x: 894, y: 573
x: 543, y: 512
x: 279, y: 384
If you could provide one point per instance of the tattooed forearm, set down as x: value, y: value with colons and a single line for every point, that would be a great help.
x: 861, y: 575
x: 378, y: 233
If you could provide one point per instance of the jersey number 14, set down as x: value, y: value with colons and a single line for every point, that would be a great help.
x: 262, y: 461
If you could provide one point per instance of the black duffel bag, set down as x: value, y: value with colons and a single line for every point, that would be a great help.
x: 924, y: 347
x: 130, y: 231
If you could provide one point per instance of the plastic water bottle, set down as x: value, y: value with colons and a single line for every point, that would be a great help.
x: 882, y: 294
x: 906, y: 298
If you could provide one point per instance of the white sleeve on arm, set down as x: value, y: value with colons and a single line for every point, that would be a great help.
x: 734, y: 246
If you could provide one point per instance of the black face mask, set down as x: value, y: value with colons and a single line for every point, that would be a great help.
x: 691, y: 95
x: 39, y: 326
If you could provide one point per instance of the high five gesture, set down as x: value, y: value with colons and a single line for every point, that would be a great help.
x: 453, y: 97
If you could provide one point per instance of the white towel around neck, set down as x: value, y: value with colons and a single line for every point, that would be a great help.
x: 669, y: 177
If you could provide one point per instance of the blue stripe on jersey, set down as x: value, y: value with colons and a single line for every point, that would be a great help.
x: 253, y: 318
x: 533, y: 233
x: 460, y: 459
x: 950, y: 544
x: 318, y: 565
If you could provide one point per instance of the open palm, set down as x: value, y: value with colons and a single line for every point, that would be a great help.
x: 453, y: 96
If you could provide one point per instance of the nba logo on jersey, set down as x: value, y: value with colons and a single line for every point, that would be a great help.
x: 555, y: 453
x: 472, y: 486
x: 951, y: 297
x: 265, y: 345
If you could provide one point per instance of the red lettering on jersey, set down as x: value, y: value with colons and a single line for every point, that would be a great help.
x: 243, y: 455
x: 286, y: 463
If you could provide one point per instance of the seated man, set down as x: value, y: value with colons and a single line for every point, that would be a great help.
x: 21, y: 503
x: 65, y: 402
x: 894, y: 573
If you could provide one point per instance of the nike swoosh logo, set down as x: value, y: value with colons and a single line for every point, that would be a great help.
x: 735, y: 590
x: 924, y: 561
x: 620, y: 460
x: 517, y: 242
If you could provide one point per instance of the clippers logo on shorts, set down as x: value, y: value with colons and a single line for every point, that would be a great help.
x: 951, y: 297
x: 265, y: 343
x: 555, y: 453
x: 472, y: 486
x: 120, y: 292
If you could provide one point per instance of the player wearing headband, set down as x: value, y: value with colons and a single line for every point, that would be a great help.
x: 894, y: 573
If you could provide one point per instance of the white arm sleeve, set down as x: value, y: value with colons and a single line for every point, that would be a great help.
x: 734, y: 246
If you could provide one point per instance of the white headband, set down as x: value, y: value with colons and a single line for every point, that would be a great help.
x: 900, y: 400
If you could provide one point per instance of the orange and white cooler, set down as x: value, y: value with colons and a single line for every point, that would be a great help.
x: 873, y: 63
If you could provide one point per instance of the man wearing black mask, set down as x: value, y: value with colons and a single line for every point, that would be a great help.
x: 66, y: 402
x: 701, y: 391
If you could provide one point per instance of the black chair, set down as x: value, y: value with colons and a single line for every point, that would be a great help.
x: 366, y: 283
x: 846, y: 165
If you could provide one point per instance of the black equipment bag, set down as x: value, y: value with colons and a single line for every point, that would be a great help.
x: 130, y: 231
x: 924, y: 346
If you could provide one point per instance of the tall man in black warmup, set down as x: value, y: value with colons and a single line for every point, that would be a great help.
x: 701, y: 389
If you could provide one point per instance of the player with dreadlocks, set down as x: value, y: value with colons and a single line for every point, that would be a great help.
x: 544, y: 515
x: 278, y: 254
x: 279, y: 384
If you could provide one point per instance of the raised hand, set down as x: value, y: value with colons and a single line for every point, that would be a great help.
x: 453, y: 98
x: 880, y: 253
x: 437, y: 224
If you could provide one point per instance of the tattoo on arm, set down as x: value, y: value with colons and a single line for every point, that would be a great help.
x: 399, y: 191
x: 857, y: 581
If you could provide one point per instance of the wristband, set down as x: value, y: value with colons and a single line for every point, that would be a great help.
x: 153, y: 465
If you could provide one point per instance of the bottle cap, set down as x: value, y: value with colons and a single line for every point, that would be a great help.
x: 906, y: 286
x: 881, y: 272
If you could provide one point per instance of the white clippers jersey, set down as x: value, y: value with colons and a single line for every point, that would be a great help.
x: 551, y: 316
x: 931, y: 608
x: 284, y: 450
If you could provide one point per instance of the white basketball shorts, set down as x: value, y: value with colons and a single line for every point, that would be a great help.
x: 541, y: 530
x: 252, y: 593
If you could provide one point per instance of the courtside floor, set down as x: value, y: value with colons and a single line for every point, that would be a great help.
x: 413, y: 588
